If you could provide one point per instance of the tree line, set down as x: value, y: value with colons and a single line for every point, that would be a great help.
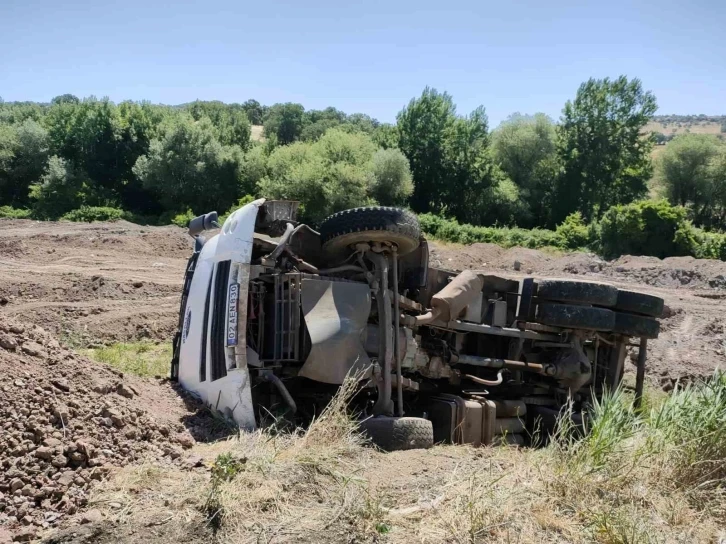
x: 156, y: 162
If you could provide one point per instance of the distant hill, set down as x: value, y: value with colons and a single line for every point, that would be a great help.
x: 680, y: 124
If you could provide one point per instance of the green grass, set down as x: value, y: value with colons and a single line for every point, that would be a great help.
x: 140, y: 358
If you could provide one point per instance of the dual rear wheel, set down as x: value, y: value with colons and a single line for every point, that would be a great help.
x: 597, y: 307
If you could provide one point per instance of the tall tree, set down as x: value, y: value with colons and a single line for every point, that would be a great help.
x: 187, y: 167
x: 452, y: 166
x: 60, y: 189
x: 230, y: 120
x: 254, y: 110
x: 140, y: 123
x: 285, y: 122
x: 604, y: 151
x: 423, y: 127
x: 688, y: 170
x: 23, y: 156
x: 393, y: 181
x: 88, y: 134
x: 525, y: 148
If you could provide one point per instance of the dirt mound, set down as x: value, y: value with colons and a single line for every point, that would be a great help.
x: 673, y: 272
x: 66, y: 421
x: 39, y: 238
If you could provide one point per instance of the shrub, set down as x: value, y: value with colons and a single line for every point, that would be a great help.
x: 393, y: 182
x: 327, y: 176
x: 573, y: 231
x: 450, y: 230
x: 709, y: 245
x: 646, y: 228
x: 182, y: 219
x: 188, y: 166
x: 89, y: 214
x: 8, y: 212
x: 61, y: 189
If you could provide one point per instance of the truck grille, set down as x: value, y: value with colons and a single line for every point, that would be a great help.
x: 219, y: 315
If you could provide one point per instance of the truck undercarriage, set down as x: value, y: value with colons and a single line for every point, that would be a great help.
x: 276, y: 316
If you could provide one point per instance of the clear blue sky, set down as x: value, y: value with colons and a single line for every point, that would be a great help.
x: 364, y: 56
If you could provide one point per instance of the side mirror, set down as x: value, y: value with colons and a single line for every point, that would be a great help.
x: 204, y: 222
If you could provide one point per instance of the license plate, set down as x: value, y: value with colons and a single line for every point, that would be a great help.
x: 232, y: 308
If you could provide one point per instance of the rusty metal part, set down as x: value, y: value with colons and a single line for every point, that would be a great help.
x: 383, y: 404
x: 408, y: 304
x: 335, y: 270
x: 496, y: 331
x: 489, y: 362
x: 268, y: 376
x: 406, y: 383
x: 450, y: 302
x: 539, y: 327
x: 396, y: 346
x: 491, y: 383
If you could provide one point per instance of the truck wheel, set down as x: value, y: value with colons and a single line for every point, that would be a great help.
x: 639, y: 303
x: 342, y: 230
x: 399, y: 433
x: 636, y: 325
x: 576, y: 317
x: 579, y: 292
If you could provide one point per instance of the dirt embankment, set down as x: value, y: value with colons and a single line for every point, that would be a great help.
x: 66, y: 421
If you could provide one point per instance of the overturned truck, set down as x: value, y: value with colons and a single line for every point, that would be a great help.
x: 275, y: 316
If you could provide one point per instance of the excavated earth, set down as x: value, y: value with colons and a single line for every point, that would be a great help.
x: 66, y: 422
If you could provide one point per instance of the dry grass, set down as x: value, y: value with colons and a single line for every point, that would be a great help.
x: 696, y: 127
x: 256, y: 133
x: 635, y: 478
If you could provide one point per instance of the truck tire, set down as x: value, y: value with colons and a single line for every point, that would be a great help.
x: 578, y: 292
x: 639, y: 303
x: 344, y: 229
x: 636, y: 325
x: 569, y: 316
x: 399, y: 433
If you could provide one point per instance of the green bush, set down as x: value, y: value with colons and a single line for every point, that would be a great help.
x: 332, y: 174
x: 646, y: 228
x: 8, y: 212
x: 573, y: 231
x: 450, y: 230
x: 89, y: 214
x: 182, y: 219
x: 61, y: 189
x: 709, y: 245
